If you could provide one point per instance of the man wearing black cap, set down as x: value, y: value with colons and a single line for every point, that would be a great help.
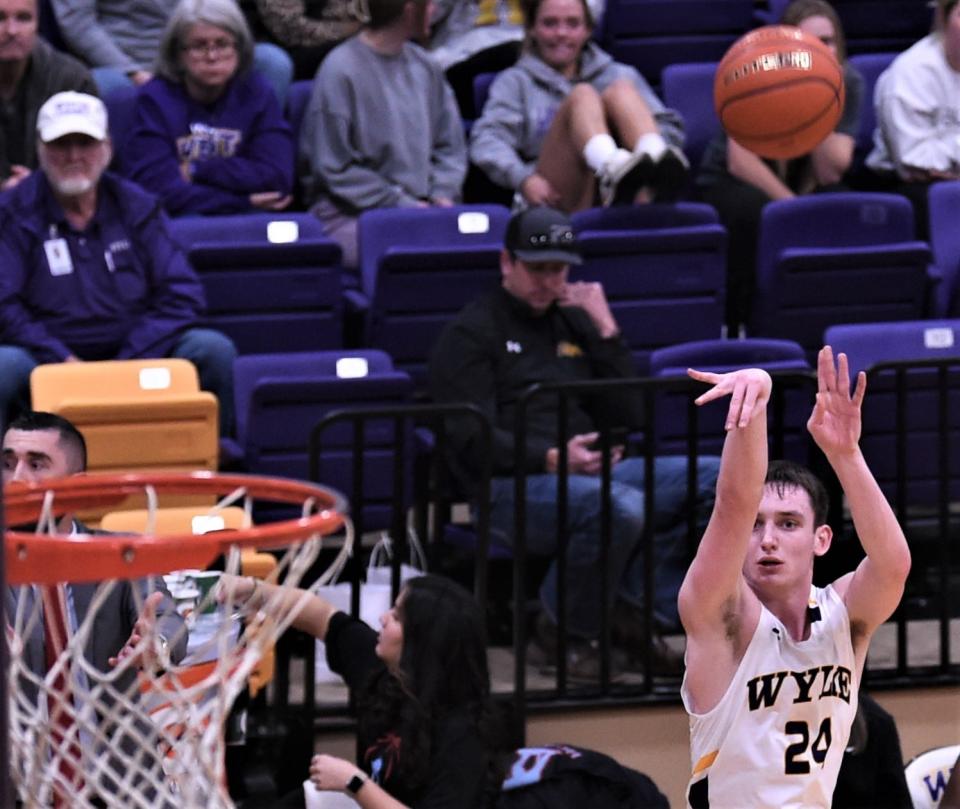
x: 541, y: 327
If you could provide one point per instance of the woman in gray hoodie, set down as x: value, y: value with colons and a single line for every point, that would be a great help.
x: 567, y: 123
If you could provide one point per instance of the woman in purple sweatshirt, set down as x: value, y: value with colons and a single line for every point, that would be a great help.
x: 208, y: 134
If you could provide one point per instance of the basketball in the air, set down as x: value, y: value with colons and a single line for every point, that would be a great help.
x: 778, y: 91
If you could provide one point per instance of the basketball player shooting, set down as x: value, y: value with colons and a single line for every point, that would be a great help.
x: 774, y: 663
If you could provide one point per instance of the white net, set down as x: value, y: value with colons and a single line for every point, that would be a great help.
x: 146, y: 730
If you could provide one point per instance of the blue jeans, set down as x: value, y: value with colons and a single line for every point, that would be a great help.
x: 625, y: 568
x: 212, y: 353
x: 271, y: 61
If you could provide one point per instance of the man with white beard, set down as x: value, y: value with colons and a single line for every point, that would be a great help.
x: 90, y: 271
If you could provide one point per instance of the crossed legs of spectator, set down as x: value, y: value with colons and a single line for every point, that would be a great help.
x: 610, y: 137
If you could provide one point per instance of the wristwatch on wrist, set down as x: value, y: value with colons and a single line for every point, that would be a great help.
x: 356, y: 783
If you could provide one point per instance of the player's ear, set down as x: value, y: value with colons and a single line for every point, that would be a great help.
x: 822, y: 537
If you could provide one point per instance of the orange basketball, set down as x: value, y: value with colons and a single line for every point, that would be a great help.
x: 778, y: 91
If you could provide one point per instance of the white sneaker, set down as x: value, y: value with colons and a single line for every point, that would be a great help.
x: 623, y: 175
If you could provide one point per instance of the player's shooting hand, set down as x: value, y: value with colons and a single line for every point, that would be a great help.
x: 748, y: 389
x: 835, y: 421
x: 136, y: 653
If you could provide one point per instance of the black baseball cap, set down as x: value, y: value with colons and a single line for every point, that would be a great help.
x: 542, y: 234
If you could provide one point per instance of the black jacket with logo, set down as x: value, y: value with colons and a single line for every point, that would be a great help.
x: 496, y: 348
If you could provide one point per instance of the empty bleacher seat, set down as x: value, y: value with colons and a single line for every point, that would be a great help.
x: 687, y: 87
x: 272, y: 281
x: 663, y: 268
x: 651, y: 34
x: 134, y: 414
x: 870, y: 65
x: 925, y: 403
x: 670, y: 425
x: 280, y: 398
x: 836, y: 258
x: 944, y: 202
x: 419, y: 267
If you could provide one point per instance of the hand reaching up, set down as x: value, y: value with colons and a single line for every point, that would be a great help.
x: 748, y: 389
x: 835, y: 421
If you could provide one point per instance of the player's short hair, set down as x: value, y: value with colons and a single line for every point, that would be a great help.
x: 800, y: 10
x: 783, y: 475
x: 70, y: 438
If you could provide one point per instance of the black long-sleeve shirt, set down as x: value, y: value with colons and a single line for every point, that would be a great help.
x: 496, y: 348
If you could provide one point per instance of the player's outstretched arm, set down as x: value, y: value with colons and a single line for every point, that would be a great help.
x: 873, y: 590
x: 712, y: 586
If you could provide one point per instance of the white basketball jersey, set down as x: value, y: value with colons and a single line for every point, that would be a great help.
x: 777, y: 736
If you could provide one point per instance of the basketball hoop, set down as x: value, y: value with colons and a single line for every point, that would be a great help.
x: 147, y: 732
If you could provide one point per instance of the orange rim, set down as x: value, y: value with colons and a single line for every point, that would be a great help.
x: 45, y: 558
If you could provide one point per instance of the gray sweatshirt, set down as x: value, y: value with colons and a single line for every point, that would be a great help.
x: 381, y: 131
x: 115, y: 33
x: 505, y: 142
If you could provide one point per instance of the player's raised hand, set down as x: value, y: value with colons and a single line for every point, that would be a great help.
x: 748, y: 389
x: 835, y: 421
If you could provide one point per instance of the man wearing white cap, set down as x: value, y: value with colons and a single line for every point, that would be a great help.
x: 30, y: 72
x: 90, y: 271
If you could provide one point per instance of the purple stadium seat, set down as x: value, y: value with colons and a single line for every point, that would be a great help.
x: 870, y: 65
x: 944, y: 202
x: 836, y: 258
x: 651, y: 34
x: 280, y: 398
x: 120, y: 104
x: 890, y: 26
x: 688, y: 88
x: 869, y: 344
x: 869, y: 26
x: 419, y: 267
x: 272, y: 280
x: 297, y: 98
x: 776, y: 356
x: 663, y: 268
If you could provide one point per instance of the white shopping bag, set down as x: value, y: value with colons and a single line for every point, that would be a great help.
x: 374, y: 593
x: 323, y: 799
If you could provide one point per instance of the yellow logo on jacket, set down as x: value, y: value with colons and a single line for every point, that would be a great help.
x: 566, y: 349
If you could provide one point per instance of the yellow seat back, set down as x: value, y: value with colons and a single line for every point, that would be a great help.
x: 133, y: 414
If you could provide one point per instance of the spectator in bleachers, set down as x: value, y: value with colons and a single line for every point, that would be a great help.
x: 917, y: 140
x: 381, y: 128
x: 120, y: 40
x: 540, y: 328
x: 308, y: 31
x: 90, y: 271
x: 30, y: 72
x: 739, y: 183
x: 208, y: 134
x: 567, y: 124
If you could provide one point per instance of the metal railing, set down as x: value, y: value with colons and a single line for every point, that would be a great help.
x: 424, y: 433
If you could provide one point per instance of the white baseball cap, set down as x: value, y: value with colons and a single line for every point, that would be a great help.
x: 69, y: 113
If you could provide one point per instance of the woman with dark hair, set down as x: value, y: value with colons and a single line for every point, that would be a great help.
x: 422, y: 693
x: 208, y: 135
x: 739, y: 183
x: 567, y: 122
